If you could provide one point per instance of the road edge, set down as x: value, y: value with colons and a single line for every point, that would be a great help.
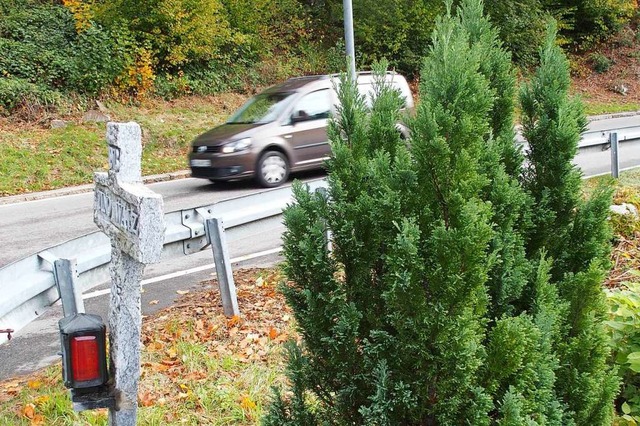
x: 71, y: 190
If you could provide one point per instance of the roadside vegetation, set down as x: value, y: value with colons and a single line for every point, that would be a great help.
x: 198, y: 367
x: 490, y: 292
x: 212, y: 370
x: 57, y: 58
x: 38, y: 159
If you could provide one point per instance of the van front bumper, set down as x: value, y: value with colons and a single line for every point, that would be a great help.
x: 221, y: 167
x: 220, y: 173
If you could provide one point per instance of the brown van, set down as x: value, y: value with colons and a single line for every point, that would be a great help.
x: 281, y: 130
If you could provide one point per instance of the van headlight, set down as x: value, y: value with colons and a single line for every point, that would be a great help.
x: 237, y: 146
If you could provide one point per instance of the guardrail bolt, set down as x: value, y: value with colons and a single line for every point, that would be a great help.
x: 186, y: 216
x: 8, y: 331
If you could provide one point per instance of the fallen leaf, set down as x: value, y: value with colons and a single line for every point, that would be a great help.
x: 37, y: 420
x: 234, y: 320
x: 155, y: 345
x: 34, y: 384
x: 159, y: 367
x: 29, y: 411
x: 182, y: 292
x: 247, y: 403
x: 154, y: 302
x: 146, y: 400
x: 42, y: 399
x: 273, y: 333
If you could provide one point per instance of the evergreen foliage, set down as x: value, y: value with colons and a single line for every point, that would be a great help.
x: 447, y: 298
x: 521, y: 32
x: 574, y: 231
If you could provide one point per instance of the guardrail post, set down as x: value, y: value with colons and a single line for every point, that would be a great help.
x: 65, y: 273
x: 615, y: 162
x: 216, y: 235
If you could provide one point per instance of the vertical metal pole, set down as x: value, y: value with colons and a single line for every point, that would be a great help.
x: 215, y: 233
x: 615, y: 163
x: 348, y: 37
x: 65, y: 273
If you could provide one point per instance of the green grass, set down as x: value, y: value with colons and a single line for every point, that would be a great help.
x: 226, y: 392
x: 627, y: 179
x: 37, y: 159
x: 44, y: 401
x: 598, y: 108
x: 626, y: 190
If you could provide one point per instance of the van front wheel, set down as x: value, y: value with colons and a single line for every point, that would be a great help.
x: 273, y: 169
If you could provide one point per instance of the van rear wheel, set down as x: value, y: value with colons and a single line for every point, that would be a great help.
x: 272, y: 170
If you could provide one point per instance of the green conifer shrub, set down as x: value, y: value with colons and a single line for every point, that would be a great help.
x: 575, y: 233
x: 433, y: 308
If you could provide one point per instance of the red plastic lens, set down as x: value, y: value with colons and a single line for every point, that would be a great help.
x: 85, y: 360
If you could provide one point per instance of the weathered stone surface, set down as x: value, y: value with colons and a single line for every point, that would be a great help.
x: 95, y: 116
x: 125, y: 151
x: 625, y: 209
x: 125, y: 324
x: 58, y: 124
x: 127, y: 211
x: 132, y: 216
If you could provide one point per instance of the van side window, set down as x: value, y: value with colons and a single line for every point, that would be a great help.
x: 313, y: 106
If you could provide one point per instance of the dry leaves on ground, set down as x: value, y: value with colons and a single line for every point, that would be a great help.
x: 196, y: 323
x: 625, y: 260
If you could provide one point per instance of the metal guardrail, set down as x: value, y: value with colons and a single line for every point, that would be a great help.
x: 601, y: 137
x: 28, y: 286
x: 598, y: 137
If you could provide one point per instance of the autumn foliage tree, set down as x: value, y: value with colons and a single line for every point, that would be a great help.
x: 443, y: 302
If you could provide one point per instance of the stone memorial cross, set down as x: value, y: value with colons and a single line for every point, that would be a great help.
x: 131, y: 215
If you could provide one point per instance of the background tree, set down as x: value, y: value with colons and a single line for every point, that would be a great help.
x: 522, y: 33
x: 583, y: 23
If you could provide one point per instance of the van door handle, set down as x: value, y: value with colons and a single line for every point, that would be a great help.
x: 287, y: 136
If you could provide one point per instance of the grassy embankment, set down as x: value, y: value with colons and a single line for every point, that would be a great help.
x: 36, y: 158
x: 198, y: 367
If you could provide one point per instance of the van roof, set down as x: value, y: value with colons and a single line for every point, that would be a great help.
x: 295, y: 83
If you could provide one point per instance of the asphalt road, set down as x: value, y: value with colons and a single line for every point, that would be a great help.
x: 30, y: 227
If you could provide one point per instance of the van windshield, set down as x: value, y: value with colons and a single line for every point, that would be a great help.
x: 262, y: 108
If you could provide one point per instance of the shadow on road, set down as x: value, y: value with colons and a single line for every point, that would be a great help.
x: 251, y: 184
